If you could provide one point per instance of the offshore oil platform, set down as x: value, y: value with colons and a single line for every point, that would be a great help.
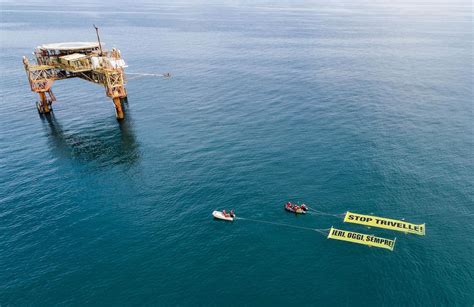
x: 85, y: 60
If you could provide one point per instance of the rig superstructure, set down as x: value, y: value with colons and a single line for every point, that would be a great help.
x: 85, y: 60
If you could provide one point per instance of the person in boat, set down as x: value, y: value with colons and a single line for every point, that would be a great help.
x: 225, y: 213
x: 232, y: 214
x: 304, y: 208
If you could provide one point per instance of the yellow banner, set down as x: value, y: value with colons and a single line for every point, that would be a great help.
x: 361, y: 238
x: 375, y: 221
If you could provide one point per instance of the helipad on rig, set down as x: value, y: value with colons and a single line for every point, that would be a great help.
x: 85, y: 60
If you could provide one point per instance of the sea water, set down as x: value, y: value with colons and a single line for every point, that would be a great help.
x: 343, y: 105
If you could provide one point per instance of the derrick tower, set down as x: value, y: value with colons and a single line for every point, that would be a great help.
x: 85, y: 60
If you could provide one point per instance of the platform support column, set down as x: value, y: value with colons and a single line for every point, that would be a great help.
x: 43, y: 105
x: 118, y: 108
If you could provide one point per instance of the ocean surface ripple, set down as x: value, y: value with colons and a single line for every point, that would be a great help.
x: 344, y: 105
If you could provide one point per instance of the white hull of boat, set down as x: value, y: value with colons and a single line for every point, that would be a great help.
x: 219, y: 215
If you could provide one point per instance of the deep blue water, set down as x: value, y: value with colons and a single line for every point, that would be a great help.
x: 344, y: 105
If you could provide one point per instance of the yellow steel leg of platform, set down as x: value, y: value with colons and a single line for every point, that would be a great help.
x: 118, y: 108
x: 43, y: 104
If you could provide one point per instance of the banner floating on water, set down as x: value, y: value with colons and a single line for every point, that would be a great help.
x: 375, y: 221
x: 361, y: 238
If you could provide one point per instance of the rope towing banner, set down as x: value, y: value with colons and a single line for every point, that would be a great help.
x: 375, y: 221
x: 361, y: 238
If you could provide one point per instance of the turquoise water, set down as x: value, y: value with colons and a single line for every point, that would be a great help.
x: 344, y: 106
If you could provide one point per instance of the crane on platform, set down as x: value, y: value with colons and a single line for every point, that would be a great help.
x: 85, y: 60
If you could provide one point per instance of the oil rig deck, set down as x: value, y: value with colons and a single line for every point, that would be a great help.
x: 85, y: 60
